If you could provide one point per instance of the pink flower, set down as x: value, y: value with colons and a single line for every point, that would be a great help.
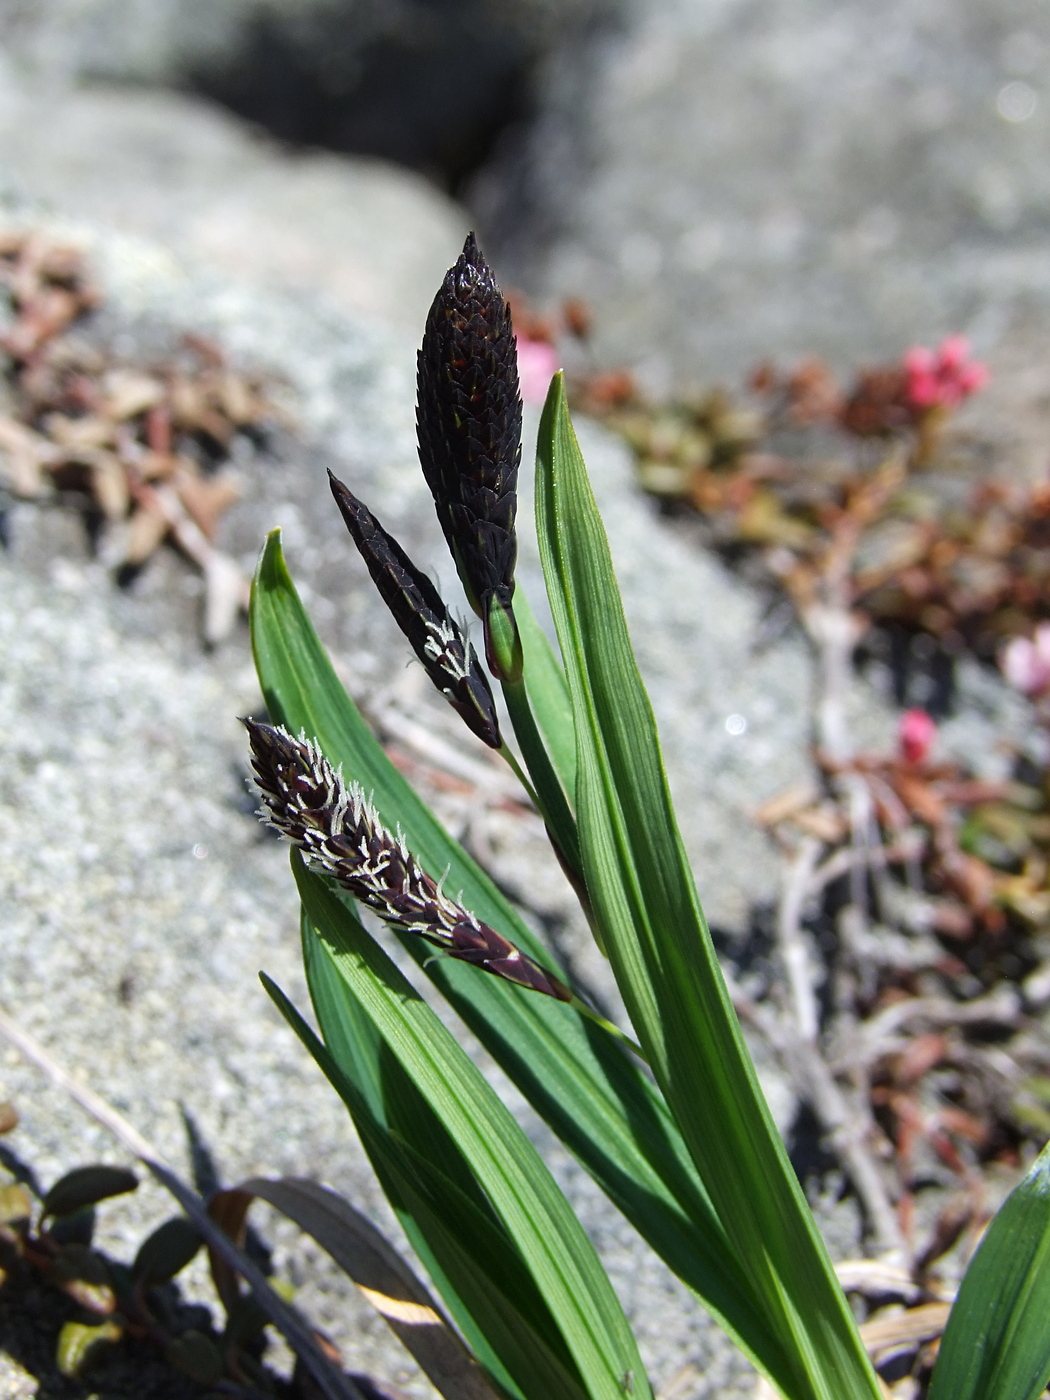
x: 915, y: 735
x: 973, y: 376
x: 923, y: 390
x: 942, y: 378
x: 954, y: 351
x: 919, y: 360
x: 1026, y: 664
x: 537, y: 365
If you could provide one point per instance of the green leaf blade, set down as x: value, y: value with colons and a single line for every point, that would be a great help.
x: 379, y: 1099
x: 655, y: 933
x: 548, y: 691
x: 622, y: 1133
x: 997, y: 1342
x: 525, y: 1198
x: 578, y: 1078
x: 490, y: 1301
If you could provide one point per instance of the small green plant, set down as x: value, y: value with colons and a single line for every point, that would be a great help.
x: 50, y: 1236
x: 667, y: 1116
x: 53, y: 1238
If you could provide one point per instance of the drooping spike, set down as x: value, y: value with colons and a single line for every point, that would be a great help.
x: 337, y: 829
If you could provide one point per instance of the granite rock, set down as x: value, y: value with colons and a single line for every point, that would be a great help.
x: 377, y: 239
x: 428, y: 85
x: 729, y: 180
x: 744, y: 177
x: 160, y: 41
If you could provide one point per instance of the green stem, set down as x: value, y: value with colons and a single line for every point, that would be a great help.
x: 549, y: 795
x: 581, y: 1006
x: 507, y: 753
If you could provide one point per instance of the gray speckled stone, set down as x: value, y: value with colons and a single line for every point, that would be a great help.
x: 375, y: 238
x: 160, y: 41
x: 16, y: 1383
x: 728, y: 180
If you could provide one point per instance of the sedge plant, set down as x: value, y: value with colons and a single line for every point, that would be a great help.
x: 666, y: 1114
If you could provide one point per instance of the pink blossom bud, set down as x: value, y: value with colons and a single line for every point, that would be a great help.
x: 915, y: 734
x: 537, y: 366
x: 918, y: 360
x: 923, y: 389
x: 973, y: 376
x: 953, y: 351
x: 942, y: 379
x: 1026, y: 664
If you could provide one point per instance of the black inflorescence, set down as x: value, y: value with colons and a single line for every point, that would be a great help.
x: 468, y: 424
x: 441, y: 645
x: 339, y: 832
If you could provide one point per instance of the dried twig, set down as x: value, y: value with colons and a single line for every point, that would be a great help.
x: 793, y: 951
x: 844, y: 1117
x: 133, y: 444
x: 226, y: 589
x: 876, y: 1036
x: 494, y: 783
x: 906, y: 1329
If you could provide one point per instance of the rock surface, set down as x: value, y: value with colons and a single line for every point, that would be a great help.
x: 376, y: 239
x: 428, y: 85
x: 159, y: 41
x: 138, y: 40
x: 727, y: 180
x: 16, y: 1383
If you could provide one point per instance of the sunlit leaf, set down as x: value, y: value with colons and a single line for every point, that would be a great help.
x: 78, y: 1341
x: 16, y: 1205
x: 654, y: 930
x: 997, y: 1342
x: 577, y: 1077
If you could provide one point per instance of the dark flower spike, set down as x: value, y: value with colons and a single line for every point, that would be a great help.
x: 337, y: 829
x: 441, y: 645
x: 468, y: 426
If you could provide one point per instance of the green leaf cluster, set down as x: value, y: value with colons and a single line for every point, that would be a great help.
x: 689, y: 1152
